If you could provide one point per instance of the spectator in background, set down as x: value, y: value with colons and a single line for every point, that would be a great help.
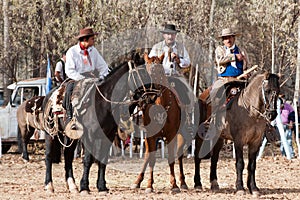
x: 60, y: 74
x: 285, y: 110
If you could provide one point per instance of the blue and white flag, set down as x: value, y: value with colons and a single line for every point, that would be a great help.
x: 48, y: 77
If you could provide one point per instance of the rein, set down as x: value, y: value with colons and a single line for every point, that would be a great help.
x: 263, y: 115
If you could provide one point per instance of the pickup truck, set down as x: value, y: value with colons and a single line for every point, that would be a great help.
x: 22, y: 91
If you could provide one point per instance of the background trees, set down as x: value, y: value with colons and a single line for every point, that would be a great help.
x: 34, y: 28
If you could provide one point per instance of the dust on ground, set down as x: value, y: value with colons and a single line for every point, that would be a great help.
x: 277, y: 178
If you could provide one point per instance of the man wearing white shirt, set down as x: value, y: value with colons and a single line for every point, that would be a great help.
x: 175, y: 52
x: 176, y: 56
x: 83, y: 61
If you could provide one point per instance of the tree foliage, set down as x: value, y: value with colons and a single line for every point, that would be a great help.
x: 39, y: 28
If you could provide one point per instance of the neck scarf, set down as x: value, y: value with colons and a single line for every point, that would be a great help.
x: 85, y: 51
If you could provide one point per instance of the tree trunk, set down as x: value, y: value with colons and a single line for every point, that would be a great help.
x: 6, y: 43
x: 297, y: 86
x: 211, y: 42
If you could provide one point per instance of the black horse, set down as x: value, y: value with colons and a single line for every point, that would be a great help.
x: 109, y: 103
x: 98, y: 113
x: 246, y: 120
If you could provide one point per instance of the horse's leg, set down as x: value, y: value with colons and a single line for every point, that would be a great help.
x: 69, y: 157
x: 140, y: 178
x: 214, y: 162
x: 251, y: 184
x: 171, y: 161
x: 197, y: 160
x: 103, y: 159
x: 151, y: 159
x: 180, y: 145
x: 48, y: 161
x: 25, y: 137
x: 239, y: 165
x: 87, y: 163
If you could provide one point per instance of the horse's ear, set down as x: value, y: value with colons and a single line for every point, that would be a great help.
x: 161, y: 57
x: 146, y: 57
x: 279, y: 75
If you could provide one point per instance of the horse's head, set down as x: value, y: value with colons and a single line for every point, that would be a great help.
x: 270, y: 91
x: 154, y: 65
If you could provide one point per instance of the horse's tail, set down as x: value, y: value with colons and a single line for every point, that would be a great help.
x: 56, y: 150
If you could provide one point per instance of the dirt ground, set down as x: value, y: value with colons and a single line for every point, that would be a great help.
x: 276, y: 177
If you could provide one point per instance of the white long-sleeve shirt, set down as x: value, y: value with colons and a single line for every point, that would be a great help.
x: 77, y: 63
x: 161, y: 47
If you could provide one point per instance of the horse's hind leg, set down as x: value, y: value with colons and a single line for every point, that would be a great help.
x: 171, y: 160
x: 197, y: 160
x: 48, y: 162
x: 239, y: 165
x: 69, y: 157
x: 180, y: 145
x: 24, y: 137
x: 87, y: 163
x: 251, y: 184
x: 214, y: 162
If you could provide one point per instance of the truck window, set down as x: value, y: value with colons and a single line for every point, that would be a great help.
x: 25, y: 93
x: 1, y: 97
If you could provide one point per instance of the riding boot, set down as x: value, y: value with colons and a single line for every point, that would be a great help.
x: 69, y: 113
x: 68, y: 105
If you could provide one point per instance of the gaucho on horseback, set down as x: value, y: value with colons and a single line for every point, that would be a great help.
x: 231, y: 62
x: 176, y: 58
x: 82, y: 61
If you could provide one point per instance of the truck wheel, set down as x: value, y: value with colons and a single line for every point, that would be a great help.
x: 5, y: 148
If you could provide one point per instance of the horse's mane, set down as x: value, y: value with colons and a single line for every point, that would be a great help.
x: 272, y: 78
x: 135, y: 58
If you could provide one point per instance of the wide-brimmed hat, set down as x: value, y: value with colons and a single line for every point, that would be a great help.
x: 228, y: 32
x: 86, y: 32
x: 169, y: 28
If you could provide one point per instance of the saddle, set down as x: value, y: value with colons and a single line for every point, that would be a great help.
x: 54, y: 109
x: 232, y: 87
x: 34, y: 104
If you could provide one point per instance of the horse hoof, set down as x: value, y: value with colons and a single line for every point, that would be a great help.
x: 49, y: 188
x: 255, y: 194
x: 148, y: 190
x: 184, y: 187
x: 214, y: 186
x: 175, y: 190
x: 134, y: 186
x: 103, y: 193
x: 84, y: 192
x: 240, y: 192
x: 198, y: 188
x: 71, y: 185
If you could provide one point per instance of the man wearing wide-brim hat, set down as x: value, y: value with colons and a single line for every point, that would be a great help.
x: 82, y: 60
x: 175, y: 53
x: 230, y: 59
x: 175, y: 57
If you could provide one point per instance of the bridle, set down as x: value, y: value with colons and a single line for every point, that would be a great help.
x: 268, y: 111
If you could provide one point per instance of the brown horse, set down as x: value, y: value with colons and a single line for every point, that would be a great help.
x: 29, y: 117
x: 245, y: 123
x: 161, y: 118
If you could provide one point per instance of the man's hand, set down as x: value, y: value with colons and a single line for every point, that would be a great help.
x: 175, y: 58
x: 239, y: 57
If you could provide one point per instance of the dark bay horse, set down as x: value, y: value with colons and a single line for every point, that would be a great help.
x: 161, y: 118
x: 246, y: 120
x: 29, y: 117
